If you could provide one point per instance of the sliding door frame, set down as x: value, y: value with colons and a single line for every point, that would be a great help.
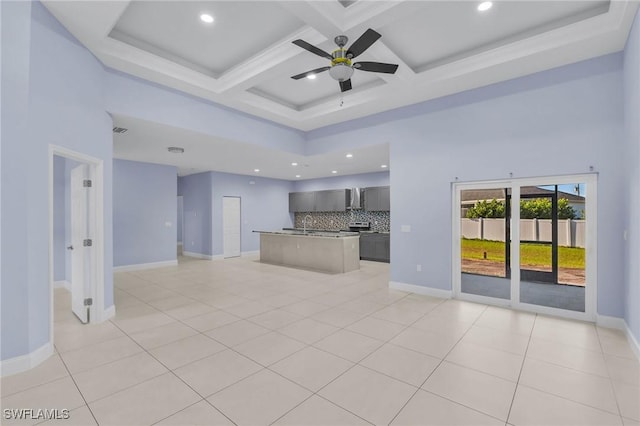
x: 591, y: 238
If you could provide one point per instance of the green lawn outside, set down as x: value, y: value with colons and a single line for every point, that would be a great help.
x: 530, y: 254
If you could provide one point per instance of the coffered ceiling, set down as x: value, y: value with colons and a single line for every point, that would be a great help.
x: 245, y: 58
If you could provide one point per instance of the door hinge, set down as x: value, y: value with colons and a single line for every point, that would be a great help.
x: 88, y: 301
x: 87, y: 243
x: 86, y: 183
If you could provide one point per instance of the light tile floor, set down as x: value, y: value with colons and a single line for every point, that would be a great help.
x: 239, y: 342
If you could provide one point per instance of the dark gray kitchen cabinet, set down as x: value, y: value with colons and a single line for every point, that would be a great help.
x: 302, y: 202
x: 374, y: 246
x: 377, y: 198
x: 334, y: 200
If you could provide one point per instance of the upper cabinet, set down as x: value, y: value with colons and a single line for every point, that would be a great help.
x: 377, y: 198
x: 302, y: 201
x: 334, y: 200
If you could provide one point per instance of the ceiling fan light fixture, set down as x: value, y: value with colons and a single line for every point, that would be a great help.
x: 341, y: 72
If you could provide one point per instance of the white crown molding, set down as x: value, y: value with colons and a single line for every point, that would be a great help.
x: 595, y: 36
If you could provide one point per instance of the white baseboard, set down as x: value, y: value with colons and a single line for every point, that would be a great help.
x: 610, y: 322
x: 108, y: 313
x: 633, y: 342
x: 25, y: 362
x: 140, y: 266
x: 62, y: 284
x: 250, y: 253
x: 418, y: 289
x: 197, y: 255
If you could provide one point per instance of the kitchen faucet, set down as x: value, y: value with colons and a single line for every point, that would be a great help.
x: 304, y: 223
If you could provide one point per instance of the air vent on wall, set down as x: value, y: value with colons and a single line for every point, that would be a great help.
x: 119, y: 130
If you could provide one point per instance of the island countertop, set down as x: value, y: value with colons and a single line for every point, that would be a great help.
x: 333, y: 252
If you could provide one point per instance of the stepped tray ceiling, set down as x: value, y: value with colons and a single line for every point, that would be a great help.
x: 245, y: 58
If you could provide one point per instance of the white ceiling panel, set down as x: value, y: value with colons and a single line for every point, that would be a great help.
x: 173, y: 30
x: 148, y: 142
x: 443, y: 31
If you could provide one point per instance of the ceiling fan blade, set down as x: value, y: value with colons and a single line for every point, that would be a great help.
x: 376, y: 67
x: 304, y: 74
x: 345, y: 85
x: 311, y: 48
x: 363, y: 43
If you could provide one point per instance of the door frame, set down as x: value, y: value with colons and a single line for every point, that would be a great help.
x: 591, y: 243
x: 96, y: 230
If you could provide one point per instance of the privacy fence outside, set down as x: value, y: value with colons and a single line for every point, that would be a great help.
x: 571, y: 232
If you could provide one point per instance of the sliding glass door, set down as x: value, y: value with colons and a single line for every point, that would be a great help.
x: 552, y: 251
x: 527, y: 243
x: 484, y: 242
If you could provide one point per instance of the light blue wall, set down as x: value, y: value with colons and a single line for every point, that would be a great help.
x: 362, y: 180
x: 134, y: 97
x: 52, y: 94
x: 16, y: 40
x: 196, y: 192
x: 264, y: 206
x: 632, y: 155
x: 144, y: 201
x: 552, y: 123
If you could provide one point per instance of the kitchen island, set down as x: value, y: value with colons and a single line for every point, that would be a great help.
x: 333, y: 252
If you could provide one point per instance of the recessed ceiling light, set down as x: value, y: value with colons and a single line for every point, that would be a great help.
x: 205, y: 17
x: 175, y: 150
x: 384, y: 166
x: 334, y: 171
x: 256, y: 170
x: 294, y: 164
x: 297, y: 176
x: 311, y: 76
x: 485, y: 5
x: 349, y: 155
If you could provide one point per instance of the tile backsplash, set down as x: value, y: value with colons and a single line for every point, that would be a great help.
x: 380, y: 221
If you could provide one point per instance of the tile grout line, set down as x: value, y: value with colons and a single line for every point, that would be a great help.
x: 248, y: 318
x: 524, y: 359
x: 175, y: 375
x: 79, y: 391
x: 613, y: 389
x: 437, y: 366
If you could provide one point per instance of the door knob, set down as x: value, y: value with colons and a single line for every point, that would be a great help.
x: 70, y: 248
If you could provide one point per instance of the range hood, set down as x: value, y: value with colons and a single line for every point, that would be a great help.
x: 356, y: 199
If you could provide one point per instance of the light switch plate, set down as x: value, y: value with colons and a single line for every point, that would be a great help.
x: 405, y: 228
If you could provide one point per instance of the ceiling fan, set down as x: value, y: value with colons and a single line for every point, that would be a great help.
x: 341, y: 67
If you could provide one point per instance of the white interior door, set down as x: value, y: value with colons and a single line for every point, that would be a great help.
x: 231, y: 225
x: 80, y: 254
